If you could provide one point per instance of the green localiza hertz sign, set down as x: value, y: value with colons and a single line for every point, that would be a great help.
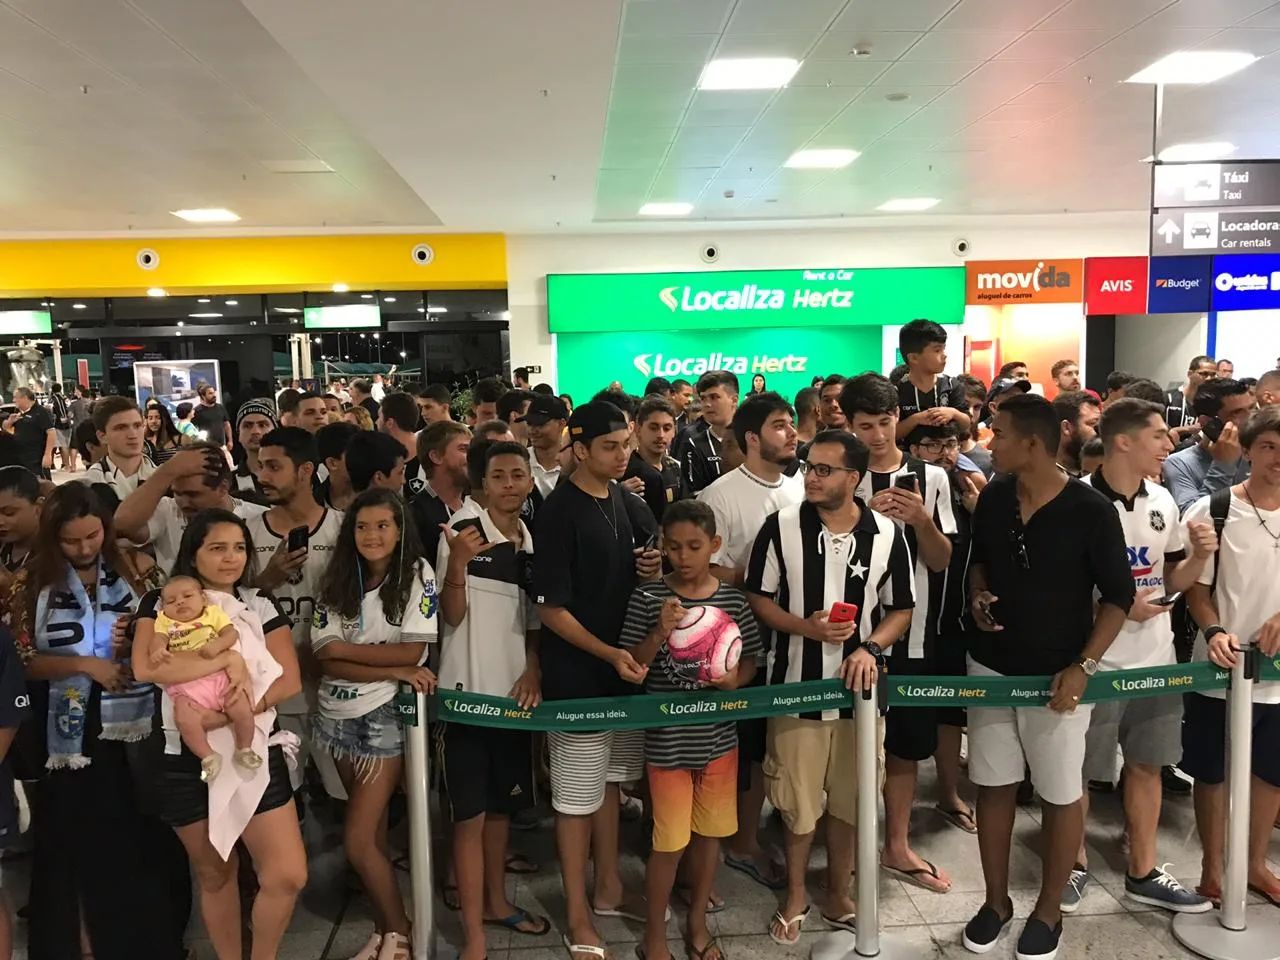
x: 826, y: 297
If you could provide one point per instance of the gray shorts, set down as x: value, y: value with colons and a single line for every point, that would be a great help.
x: 1148, y: 731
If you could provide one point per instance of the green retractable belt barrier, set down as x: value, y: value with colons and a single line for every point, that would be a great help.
x: 709, y: 706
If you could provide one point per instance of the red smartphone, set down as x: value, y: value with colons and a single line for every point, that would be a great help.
x: 842, y: 612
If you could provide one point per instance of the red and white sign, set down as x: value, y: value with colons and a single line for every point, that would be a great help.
x: 1115, y: 285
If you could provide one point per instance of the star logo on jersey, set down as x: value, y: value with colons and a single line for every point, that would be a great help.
x: 1156, y: 519
x: 416, y: 485
x: 858, y: 570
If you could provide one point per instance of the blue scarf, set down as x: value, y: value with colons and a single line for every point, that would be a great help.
x: 70, y: 624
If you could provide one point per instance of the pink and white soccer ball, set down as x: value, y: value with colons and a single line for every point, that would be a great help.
x: 709, y: 639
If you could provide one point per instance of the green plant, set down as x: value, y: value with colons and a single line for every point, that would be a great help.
x: 462, y: 403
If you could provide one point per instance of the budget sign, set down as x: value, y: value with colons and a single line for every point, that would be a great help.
x: 839, y: 297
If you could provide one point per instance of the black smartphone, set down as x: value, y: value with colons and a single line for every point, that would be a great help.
x: 298, y: 539
x: 650, y: 543
x: 906, y: 481
x: 1168, y: 600
x: 471, y: 523
x: 1213, y: 429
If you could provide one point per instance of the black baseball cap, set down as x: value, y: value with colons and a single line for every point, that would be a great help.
x: 543, y: 409
x: 1005, y: 384
x: 599, y: 418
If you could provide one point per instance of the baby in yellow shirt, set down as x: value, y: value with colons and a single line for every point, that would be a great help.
x: 189, y: 623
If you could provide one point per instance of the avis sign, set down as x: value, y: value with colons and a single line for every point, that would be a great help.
x: 1115, y: 285
x: 999, y: 282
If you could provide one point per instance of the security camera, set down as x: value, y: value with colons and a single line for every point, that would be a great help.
x: 148, y: 259
x: 423, y: 254
x: 710, y: 253
x: 960, y: 247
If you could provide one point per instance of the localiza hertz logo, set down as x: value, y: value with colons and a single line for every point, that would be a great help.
x: 641, y: 360
x: 668, y: 296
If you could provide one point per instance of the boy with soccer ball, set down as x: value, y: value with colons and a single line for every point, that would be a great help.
x: 693, y: 632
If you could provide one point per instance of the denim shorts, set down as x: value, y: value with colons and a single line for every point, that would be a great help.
x: 365, y: 740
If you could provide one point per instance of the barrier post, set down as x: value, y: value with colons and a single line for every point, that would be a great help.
x: 1237, y: 931
x: 418, y: 787
x: 869, y: 941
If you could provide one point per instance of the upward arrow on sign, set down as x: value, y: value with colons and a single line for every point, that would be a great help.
x: 1169, y: 230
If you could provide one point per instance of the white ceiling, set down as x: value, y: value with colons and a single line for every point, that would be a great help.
x: 567, y: 115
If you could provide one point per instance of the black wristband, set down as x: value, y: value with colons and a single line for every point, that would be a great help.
x: 1213, y: 630
x: 872, y: 648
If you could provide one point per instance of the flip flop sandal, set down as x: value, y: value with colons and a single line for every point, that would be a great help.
x: 960, y: 819
x: 749, y: 867
x: 697, y: 954
x: 520, y: 865
x: 514, y: 921
x: 1212, y: 894
x: 449, y: 897
x: 590, y: 949
x: 685, y: 893
x: 847, y: 922
x: 1272, y: 896
x: 797, y: 921
x: 624, y: 913
x: 913, y: 877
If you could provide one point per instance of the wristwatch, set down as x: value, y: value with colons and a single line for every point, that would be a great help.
x: 872, y: 648
x: 1213, y: 630
x: 1088, y: 665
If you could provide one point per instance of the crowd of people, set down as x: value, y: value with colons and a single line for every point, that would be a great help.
x: 215, y: 617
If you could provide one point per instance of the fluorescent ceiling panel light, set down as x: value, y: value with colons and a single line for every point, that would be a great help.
x: 233, y: 303
x: 1193, y: 66
x: 666, y: 209
x: 207, y: 215
x: 422, y: 310
x: 437, y: 309
x: 340, y: 288
x: 750, y: 73
x: 203, y: 300
x: 157, y: 292
x: 286, y: 309
x: 821, y: 159
x: 366, y: 296
x: 297, y: 166
x: 908, y: 204
x: 388, y: 299
x: 74, y: 306
x: 201, y: 316
x: 1186, y: 152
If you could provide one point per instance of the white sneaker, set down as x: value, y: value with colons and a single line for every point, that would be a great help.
x: 395, y: 946
x: 370, y: 950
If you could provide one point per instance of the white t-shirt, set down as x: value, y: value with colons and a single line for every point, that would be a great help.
x: 741, y: 502
x: 104, y: 471
x: 297, y: 595
x: 1152, y: 536
x: 348, y: 699
x: 1248, y: 589
x: 485, y: 653
x: 545, y: 479
x: 167, y: 525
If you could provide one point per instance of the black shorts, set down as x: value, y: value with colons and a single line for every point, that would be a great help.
x: 183, y: 798
x: 485, y: 770
x: 752, y: 735
x: 950, y: 654
x: 1204, y: 738
x: 911, y: 733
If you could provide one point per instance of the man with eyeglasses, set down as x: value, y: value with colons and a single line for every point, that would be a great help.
x: 1042, y: 545
x: 917, y: 497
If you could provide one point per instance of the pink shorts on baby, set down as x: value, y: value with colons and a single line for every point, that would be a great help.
x: 209, y: 692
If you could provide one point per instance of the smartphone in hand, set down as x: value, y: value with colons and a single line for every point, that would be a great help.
x: 843, y: 612
x: 298, y: 539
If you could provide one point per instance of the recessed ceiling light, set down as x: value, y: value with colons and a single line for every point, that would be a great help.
x: 207, y: 215
x: 76, y: 306
x: 908, y: 204
x: 437, y: 309
x: 751, y: 73
x: 201, y: 316
x: 821, y: 159
x: 233, y: 303
x: 203, y: 300
x: 286, y: 309
x: 366, y: 296
x: 388, y: 299
x: 340, y: 288
x: 666, y: 209
x: 1193, y: 66
x: 1184, y: 152
x: 422, y: 309
x: 157, y: 292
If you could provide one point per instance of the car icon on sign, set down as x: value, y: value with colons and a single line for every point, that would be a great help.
x: 1200, y: 231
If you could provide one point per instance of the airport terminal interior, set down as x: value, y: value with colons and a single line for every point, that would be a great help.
x: 289, y: 201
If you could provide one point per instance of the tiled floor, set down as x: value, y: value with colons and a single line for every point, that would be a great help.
x: 331, y: 921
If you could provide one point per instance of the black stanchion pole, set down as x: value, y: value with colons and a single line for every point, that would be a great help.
x: 1237, y: 931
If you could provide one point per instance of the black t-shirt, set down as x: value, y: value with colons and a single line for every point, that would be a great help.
x: 212, y: 420
x: 1044, y: 575
x: 371, y: 405
x: 14, y: 709
x: 661, y: 487
x: 945, y: 393
x: 428, y: 512
x: 584, y: 561
x: 30, y: 432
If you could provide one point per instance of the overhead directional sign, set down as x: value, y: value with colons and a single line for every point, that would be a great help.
x: 1253, y: 183
x: 1176, y: 233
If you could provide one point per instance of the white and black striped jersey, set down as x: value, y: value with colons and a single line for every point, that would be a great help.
x: 931, y: 586
x: 805, y: 569
x: 700, y: 456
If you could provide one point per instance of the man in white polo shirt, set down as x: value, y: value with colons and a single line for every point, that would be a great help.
x: 1237, y: 600
x: 1163, y: 562
x: 764, y: 428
